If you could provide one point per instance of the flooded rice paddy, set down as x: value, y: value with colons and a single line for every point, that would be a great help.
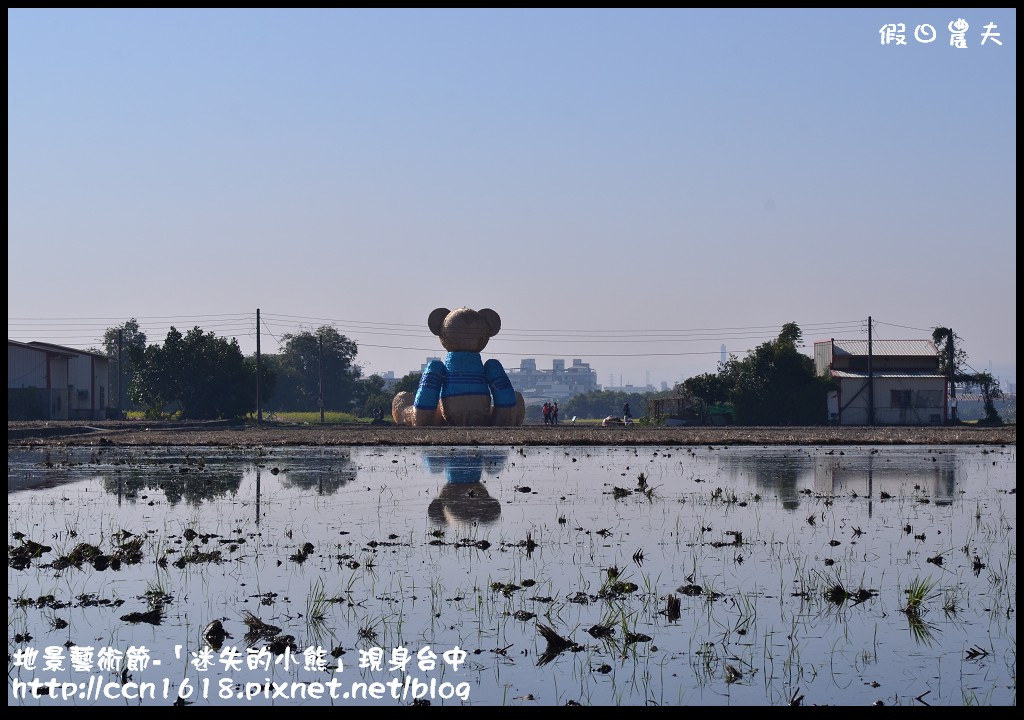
x: 599, y: 576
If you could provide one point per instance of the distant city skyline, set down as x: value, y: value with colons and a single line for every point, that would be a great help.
x: 632, y: 187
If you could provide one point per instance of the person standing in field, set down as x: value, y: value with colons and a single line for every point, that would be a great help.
x: 554, y: 414
x: 547, y: 413
x: 626, y: 415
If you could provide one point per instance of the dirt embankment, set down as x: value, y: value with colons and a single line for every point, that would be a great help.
x: 249, y: 434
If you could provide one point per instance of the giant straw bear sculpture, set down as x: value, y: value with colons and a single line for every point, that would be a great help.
x: 463, y: 390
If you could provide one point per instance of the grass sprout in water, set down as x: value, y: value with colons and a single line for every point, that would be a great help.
x: 919, y: 591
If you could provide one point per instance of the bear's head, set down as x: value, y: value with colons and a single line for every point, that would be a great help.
x: 462, y: 329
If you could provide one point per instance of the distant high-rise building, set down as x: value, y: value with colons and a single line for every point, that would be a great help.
x: 723, y: 354
x: 423, y: 367
x: 389, y: 379
x: 560, y: 382
x: 664, y: 385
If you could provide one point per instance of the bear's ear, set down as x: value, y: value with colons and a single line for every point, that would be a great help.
x: 492, y: 319
x: 436, y: 320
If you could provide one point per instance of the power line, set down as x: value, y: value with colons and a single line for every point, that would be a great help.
x: 71, y: 329
x: 264, y: 323
x: 135, y: 317
x: 104, y: 328
x: 237, y: 320
x: 589, y: 355
x: 813, y: 326
x: 570, y: 337
x: 905, y: 327
x: 585, y: 336
x: 573, y: 338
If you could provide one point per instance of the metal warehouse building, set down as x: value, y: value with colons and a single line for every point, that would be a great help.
x: 37, y: 383
x: 904, y: 381
x: 53, y: 382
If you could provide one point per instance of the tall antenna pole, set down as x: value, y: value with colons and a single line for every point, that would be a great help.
x: 259, y: 404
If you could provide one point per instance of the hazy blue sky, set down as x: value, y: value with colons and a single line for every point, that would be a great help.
x: 578, y: 171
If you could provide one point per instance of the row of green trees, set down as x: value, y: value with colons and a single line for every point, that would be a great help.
x: 201, y: 375
x: 773, y: 385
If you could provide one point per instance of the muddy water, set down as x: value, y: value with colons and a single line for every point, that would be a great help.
x: 724, y: 576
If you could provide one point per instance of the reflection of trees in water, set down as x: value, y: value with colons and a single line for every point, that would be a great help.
x: 193, y: 488
x: 320, y: 483
x: 324, y: 472
x: 210, y: 476
x: 463, y: 498
x: 775, y: 473
x: 781, y: 476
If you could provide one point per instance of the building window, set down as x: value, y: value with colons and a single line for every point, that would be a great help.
x: 928, y: 399
x: 900, y: 399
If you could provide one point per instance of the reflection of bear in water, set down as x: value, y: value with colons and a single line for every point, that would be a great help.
x: 463, y: 499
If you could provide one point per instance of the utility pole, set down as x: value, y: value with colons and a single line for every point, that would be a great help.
x: 951, y: 362
x: 259, y: 405
x: 120, y: 374
x: 320, y: 371
x: 871, y: 380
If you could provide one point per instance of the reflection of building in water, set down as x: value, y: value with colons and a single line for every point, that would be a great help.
x: 464, y: 499
x: 877, y: 473
x: 784, y: 471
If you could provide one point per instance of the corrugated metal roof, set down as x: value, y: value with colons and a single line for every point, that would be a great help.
x: 901, y: 348
x: 52, y: 350
x: 63, y: 349
x: 879, y: 374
